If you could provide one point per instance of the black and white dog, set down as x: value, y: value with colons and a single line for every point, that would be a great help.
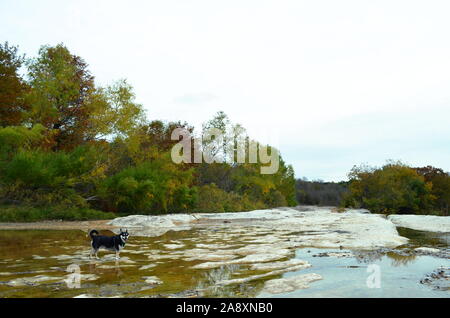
x: 110, y: 243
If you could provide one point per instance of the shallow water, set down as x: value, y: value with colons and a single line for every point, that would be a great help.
x: 36, y: 263
x: 422, y: 238
x: 27, y: 256
x: 400, y: 274
x: 347, y: 277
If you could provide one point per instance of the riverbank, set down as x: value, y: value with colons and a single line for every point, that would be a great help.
x: 301, y: 227
x: 28, y: 214
x: 300, y: 218
x: 59, y: 225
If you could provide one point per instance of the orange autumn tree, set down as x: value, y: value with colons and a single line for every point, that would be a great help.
x: 13, y: 106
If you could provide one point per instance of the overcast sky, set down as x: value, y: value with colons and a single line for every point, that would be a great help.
x: 337, y: 83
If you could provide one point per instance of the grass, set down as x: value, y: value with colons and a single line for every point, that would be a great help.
x: 34, y: 214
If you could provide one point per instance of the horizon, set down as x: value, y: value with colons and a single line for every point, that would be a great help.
x: 337, y: 87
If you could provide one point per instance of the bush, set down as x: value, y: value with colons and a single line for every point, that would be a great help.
x: 13, y: 138
x: 153, y: 187
x: 213, y: 199
x: 49, y: 169
x: 38, y: 178
x: 275, y: 199
x: 394, y: 188
x: 441, y: 187
x: 32, y: 214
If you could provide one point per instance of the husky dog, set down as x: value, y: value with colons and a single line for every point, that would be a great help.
x: 110, y: 243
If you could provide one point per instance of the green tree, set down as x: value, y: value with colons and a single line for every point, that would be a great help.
x: 61, y: 86
x: 394, y: 188
x: 66, y: 101
x: 113, y: 111
x: 156, y: 186
x: 441, y: 186
x: 41, y: 178
x: 218, y: 148
x: 14, y: 138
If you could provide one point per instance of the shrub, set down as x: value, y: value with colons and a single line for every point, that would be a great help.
x: 39, y: 178
x: 213, y: 199
x: 33, y: 214
x: 153, y: 187
x: 394, y: 188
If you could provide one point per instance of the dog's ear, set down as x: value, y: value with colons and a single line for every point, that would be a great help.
x: 121, y: 231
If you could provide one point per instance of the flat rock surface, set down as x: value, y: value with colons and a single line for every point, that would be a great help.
x: 286, y: 285
x: 351, y: 229
x: 429, y: 223
x: 427, y: 250
x: 169, y: 220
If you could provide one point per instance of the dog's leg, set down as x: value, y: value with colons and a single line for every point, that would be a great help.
x: 117, y: 255
x: 96, y: 254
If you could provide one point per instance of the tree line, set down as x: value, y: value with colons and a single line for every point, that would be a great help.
x: 71, y: 149
x: 394, y: 188
x: 320, y: 193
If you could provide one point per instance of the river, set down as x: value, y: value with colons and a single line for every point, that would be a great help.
x: 317, y: 254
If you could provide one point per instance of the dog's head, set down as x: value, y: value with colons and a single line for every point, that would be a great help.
x: 124, y: 235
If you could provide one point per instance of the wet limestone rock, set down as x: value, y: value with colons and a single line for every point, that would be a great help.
x: 173, y: 246
x: 335, y: 254
x: 286, y: 285
x: 145, y: 267
x: 352, y: 229
x: 438, y: 279
x: 32, y: 281
x: 280, y: 265
x: 427, y: 250
x: 171, y: 220
x: 268, y: 274
x: 429, y: 223
x: 152, y: 280
x: 249, y: 259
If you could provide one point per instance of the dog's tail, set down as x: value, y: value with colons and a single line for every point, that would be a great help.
x: 93, y: 233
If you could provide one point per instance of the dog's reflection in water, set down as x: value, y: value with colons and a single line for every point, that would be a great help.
x: 96, y: 267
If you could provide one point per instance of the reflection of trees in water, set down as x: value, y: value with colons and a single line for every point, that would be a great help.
x: 421, y: 238
x: 400, y: 260
x: 17, y: 244
x: 209, y: 281
x: 368, y: 256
